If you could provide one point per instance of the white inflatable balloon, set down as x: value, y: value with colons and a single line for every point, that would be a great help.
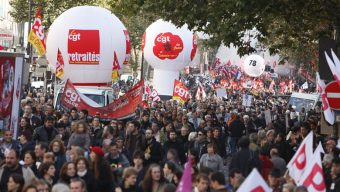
x: 88, y: 38
x: 254, y: 65
x: 167, y: 47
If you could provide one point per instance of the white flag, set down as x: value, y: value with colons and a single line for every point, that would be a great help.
x: 334, y: 66
x: 254, y: 183
x: 327, y: 111
x: 154, y: 95
x: 297, y: 165
x: 319, y: 149
x: 313, y: 178
x: 200, y: 94
x: 305, y: 85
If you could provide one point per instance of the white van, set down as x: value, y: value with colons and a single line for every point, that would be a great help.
x: 94, y: 96
x: 299, y: 100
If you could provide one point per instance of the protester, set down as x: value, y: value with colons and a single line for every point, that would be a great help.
x: 154, y: 180
x: 84, y: 173
x: 15, y: 183
x: 12, y: 166
x: 91, y: 153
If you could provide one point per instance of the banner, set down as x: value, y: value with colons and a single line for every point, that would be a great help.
x: 10, y: 89
x: 37, y: 36
x: 181, y: 92
x: 122, y: 107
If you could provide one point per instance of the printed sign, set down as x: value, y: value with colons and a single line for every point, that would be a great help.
x: 167, y: 46
x: 83, y: 47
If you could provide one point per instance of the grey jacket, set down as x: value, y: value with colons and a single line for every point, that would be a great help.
x: 79, y: 139
x: 214, y: 162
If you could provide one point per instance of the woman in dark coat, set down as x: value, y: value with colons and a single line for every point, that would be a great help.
x: 102, y: 170
x: 85, y: 173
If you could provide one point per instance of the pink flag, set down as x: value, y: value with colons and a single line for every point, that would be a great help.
x: 254, y: 183
x: 297, y: 165
x: 185, y: 185
x: 334, y: 66
x: 327, y: 111
x: 313, y: 178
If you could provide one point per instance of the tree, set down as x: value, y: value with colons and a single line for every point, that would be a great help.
x: 283, y: 25
x: 50, y: 9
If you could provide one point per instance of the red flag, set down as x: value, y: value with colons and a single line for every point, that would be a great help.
x: 37, y: 35
x: 128, y: 47
x: 59, y: 65
x: 115, y: 68
x: 147, y: 89
x: 181, y: 92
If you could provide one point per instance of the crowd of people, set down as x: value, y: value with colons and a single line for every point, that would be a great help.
x: 70, y: 151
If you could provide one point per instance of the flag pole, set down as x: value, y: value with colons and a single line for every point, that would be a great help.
x: 29, y: 46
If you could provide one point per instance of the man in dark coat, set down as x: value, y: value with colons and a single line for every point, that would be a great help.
x: 134, y: 138
x: 245, y: 159
x: 236, y: 131
x: 335, y: 173
x: 176, y: 144
x: 152, y: 149
x: 47, y: 132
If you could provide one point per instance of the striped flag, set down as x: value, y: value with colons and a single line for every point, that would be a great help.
x: 37, y: 35
x: 59, y: 65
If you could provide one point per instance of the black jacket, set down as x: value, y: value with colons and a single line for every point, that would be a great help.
x: 178, y: 146
x: 89, y: 180
x: 245, y: 160
x: 237, y: 128
x: 155, y: 150
x: 41, y: 134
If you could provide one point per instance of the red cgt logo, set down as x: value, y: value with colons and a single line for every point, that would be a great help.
x: 167, y: 46
x: 83, y: 47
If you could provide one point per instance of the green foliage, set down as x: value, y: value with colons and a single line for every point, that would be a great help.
x: 284, y: 26
x: 50, y: 9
